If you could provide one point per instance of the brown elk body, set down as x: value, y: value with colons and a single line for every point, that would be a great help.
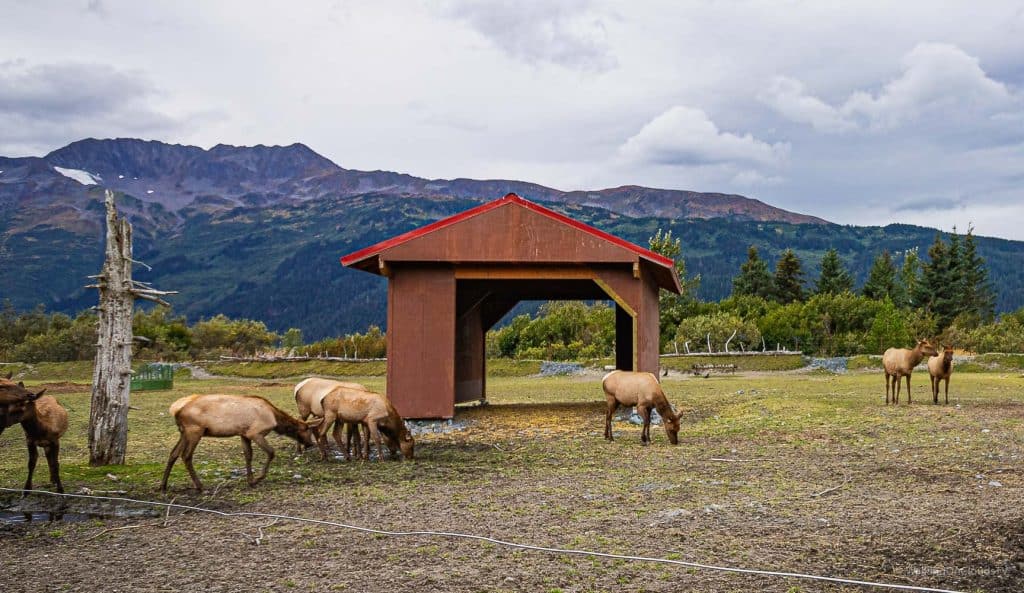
x: 373, y: 411
x: 309, y: 395
x: 627, y: 388
x: 14, y: 401
x: 941, y: 368
x: 899, y: 363
x: 44, y: 422
x: 247, y: 416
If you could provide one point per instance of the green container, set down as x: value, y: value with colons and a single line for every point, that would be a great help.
x: 152, y: 377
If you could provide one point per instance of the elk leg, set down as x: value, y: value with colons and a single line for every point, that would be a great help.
x: 947, y: 391
x: 365, y: 443
x: 352, y: 432
x: 645, y: 432
x: 33, y: 457
x: 261, y: 441
x: 175, y: 452
x: 375, y: 433
x: 338, y: 433
x: 299, y: 447
x: 321, y: 434
x: 897, y: 385
x: 888, y: 381
x: 908, y: 391
x: 52, y: 451
x: 247, y: 451
x: 191, y: 442
x: 613, y: 404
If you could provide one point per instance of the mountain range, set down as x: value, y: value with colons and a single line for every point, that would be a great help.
x: 257, y: 231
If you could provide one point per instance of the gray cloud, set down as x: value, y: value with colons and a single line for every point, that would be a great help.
x: 925, y: 204
x: 568, y: 33
x: 41, y: 104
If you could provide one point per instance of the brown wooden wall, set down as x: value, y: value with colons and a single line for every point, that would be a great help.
x: 421, y: 341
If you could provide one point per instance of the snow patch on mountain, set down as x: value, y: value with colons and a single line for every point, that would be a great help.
x: 83, y: 177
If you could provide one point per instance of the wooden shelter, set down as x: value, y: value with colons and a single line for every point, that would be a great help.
x: 451, y: 281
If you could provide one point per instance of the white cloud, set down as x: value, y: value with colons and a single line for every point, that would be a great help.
x: 570, y: 33
x: 686, y: 136
x: 938, y: 80
x: 789, y: 98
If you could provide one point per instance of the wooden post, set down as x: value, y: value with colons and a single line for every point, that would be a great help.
x: 111, y: 380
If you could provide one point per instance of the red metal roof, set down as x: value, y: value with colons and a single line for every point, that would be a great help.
x: 364, y: 253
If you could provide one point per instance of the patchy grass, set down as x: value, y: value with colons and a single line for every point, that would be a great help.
x: 862, y: 362
x: 305, y: 368
x: 784, y: 362
x: 798, y: 472
x: 998, y: 360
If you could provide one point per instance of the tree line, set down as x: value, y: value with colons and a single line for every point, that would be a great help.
x: 948, y: 296
x: 37, y: 336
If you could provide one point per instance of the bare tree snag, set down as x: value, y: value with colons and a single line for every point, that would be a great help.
x: 111, y: 380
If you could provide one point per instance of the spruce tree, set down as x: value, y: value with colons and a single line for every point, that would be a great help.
x: 789, y: 278
x: 673, y: 307
x: 976, y: 293
x: 754, y: 278
x: 938, y: 287
x: 909, y: 278
x: 834, y: 278
x: 881, y: 282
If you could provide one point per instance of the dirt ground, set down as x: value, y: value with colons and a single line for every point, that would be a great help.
x: 802, y: 473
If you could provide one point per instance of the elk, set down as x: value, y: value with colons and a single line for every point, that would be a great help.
x: 627, y: 388
x: 373, y: 411
x: 247, y: 416
x: 941, y: 367
x: 44, y: 422
x: 309, y: 395
x: 14, y: 400
x: 900, y: 362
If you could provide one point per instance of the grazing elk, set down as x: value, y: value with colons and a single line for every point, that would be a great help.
x: 309, y: 395
x: 900, y: 362
x: 373, y: 411
x: 627, y: 388
x: 941, y: 367
x: 14, y: 400
x: 247, y: 416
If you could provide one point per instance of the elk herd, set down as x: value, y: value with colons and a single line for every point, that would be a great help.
x: 355, y: 415
x: 251, y: 418
x: 900, y: 362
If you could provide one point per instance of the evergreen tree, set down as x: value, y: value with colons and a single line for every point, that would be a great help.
x: 754, y: 278
x: 977, y: 297
x: 834, y: 279
x: 673, y: 307
x: 938, y: 287
x: 909, y: 278
x: 789, y: 278
x: 881, y: 282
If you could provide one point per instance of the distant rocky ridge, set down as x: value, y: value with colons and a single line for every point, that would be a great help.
x: 181, y: 180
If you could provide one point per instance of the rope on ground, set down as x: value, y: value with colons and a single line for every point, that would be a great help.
x: 483, y: 538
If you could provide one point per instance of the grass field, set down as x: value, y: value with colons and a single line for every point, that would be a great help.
x: 801, y: 472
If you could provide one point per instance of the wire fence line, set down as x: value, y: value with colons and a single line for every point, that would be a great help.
x: 483, y: 538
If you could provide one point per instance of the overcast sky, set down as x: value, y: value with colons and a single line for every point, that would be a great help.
x: 858, y: 112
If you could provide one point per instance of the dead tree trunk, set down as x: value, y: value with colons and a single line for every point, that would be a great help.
x: 111, y: 380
